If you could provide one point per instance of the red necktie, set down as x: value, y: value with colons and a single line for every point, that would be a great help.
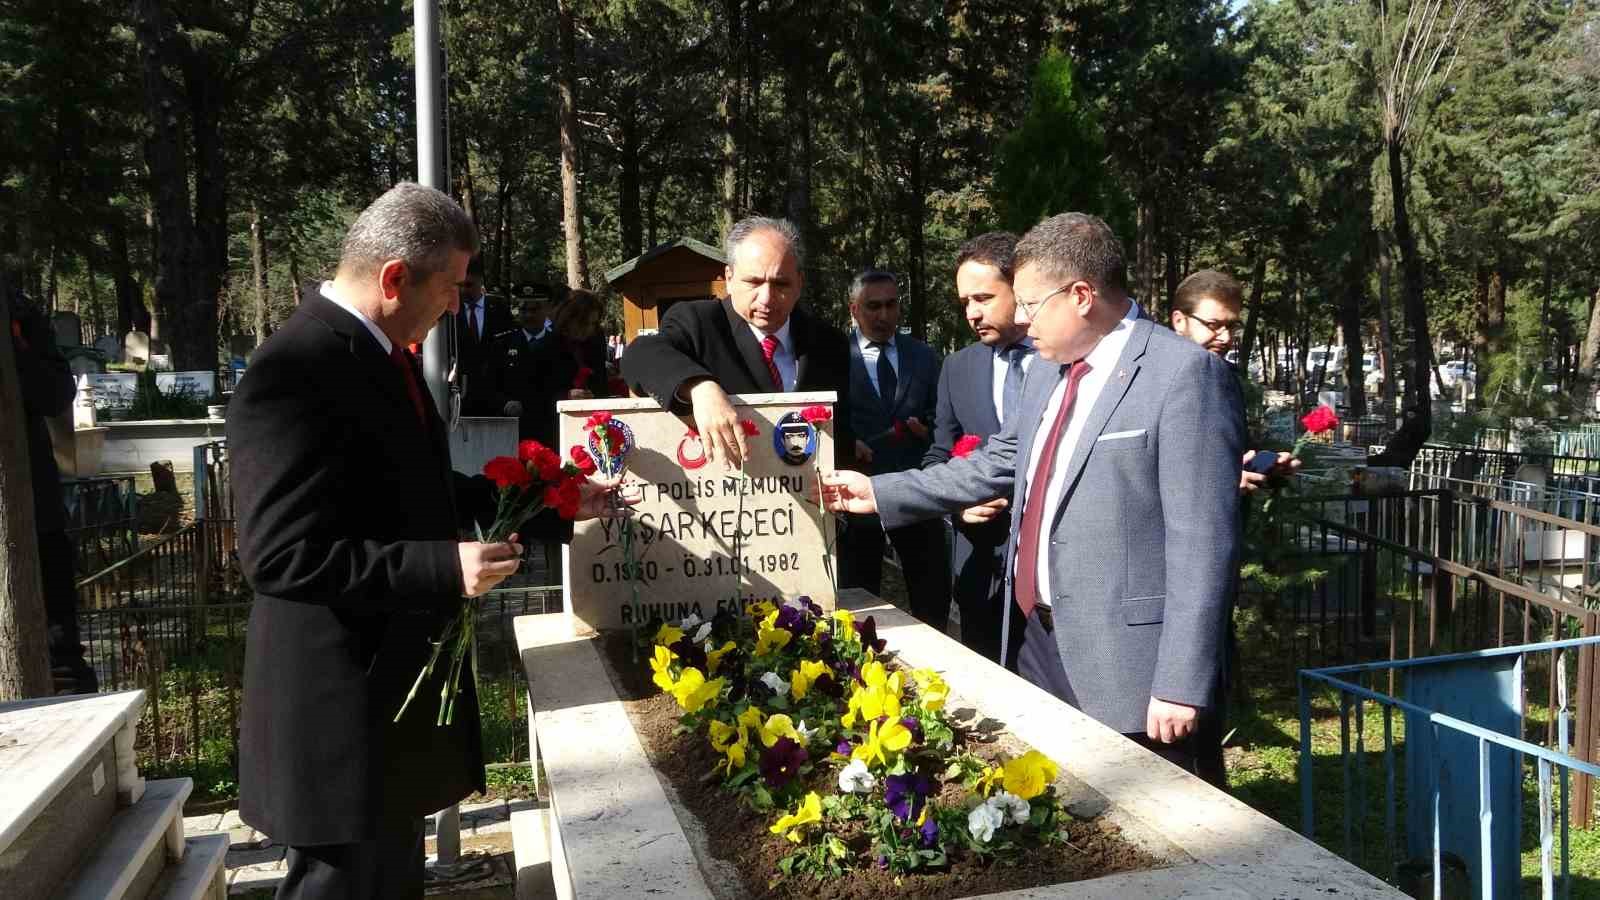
x: 402, y: 361
x: 769, y: 349
x: 1027, y: 577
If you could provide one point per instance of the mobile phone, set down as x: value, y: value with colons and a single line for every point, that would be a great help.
x: 1263, y: 462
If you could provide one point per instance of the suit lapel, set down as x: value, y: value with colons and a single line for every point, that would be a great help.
x: 749, y: 348
x: 1122, y: 378
x: 800, y: 338
x: 982, y: 382
x: 902, y: 383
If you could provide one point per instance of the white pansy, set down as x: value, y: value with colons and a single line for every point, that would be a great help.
x: 704, y: 632
x: 1015, y: 808
x: 855, y: 779
x: 690, y: 622
x: 805, y: 733
x: 775, y: 682
x: 983, y: 820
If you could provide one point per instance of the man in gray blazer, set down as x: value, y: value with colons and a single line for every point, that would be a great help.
x: 894, y: 381
x: 1122, y: 561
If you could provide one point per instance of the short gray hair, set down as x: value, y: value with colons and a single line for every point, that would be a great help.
x: 751, y: 225
x: 1073, y: 246
x: 858, y: 284
x: 412, y: 223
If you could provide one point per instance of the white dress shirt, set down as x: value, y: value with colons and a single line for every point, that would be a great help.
x: 333, y: 297
x: 1102, y: 362
x: 788, y: 367
x: 869, y: 355
x: 1001, y: 366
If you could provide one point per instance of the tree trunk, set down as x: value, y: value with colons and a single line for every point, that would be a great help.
x: 628, y: 214
x: 1252, y: 318
x: 571, y: 199
x: 797, y: 112
x: 728, y: 110
x: 196, y: 346
x: 296, y: 289
x: 262, y: 325
x: 24, y: 659
x: 1418, y: 418
x: 1386, y: 360
x: 1144, y: 255
x: 916, y: 225
x: 469, y: 188
x: 1590, y: 353
x: 1355, y: 284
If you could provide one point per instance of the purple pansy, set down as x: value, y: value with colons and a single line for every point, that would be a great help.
x: 905, y: 794
x: 914, y: 726
x: 843, y: 748
x: 867, y: 629
x: 792, y: 619
x: 929, y: 832
x: 691, y: 653
x: 781, y: 762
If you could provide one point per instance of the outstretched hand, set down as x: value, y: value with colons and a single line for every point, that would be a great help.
x: 607, y: 498
x: 846, y: 491
x: 718, y: 424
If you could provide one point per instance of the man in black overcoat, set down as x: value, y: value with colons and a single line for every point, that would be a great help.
x: 756, y: 341
x: 349, y: 518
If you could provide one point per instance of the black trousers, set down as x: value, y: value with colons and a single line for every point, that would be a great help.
x: 983, y: 620
x: 924, y: 560
x: 56, y: 562
x: 1200, y: 753
x: 389, y: 867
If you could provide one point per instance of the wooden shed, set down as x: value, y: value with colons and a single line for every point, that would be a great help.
x: 650, y: 283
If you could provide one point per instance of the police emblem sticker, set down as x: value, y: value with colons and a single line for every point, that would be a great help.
x: 794, y: 439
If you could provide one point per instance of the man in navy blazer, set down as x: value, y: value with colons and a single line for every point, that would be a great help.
x: 979, y: 387
x: 1123, y: 471
x: 895, y: 378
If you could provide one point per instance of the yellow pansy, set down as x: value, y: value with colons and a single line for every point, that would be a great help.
x: 801, y: 679
x: 722, y: 733
x: 990, y: 779
x: 845, y: 620
x: 763, y: 608
x: 752, y: 718
x: 731, y: 741
x: 809, y: 813
x: 714, y: 657
x: 661, y: 665
x: 668, y: 634
x: 892, y: 737
x: 821, y: 629
x: 693, y: 691
x: 776, y: 727
x: 934, y: 691
x: 771, y: 640
x: 1029, y: 774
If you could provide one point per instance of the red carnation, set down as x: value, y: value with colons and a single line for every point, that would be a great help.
x: 816, y: 414
x: 547, y: 463
x: 582, y: 459
x: 564, y: 498
x: 507, y: 471
x: 596, y: 420
x: 529, y: 450
x: 901, y: 431
x: 581, y: 380
x: 750, y: 428
x: 1319, y: 420
x: 965, y: 445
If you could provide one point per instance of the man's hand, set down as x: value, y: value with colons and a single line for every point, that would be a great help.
x: 718, y: 424
x: 984, y: 512
x: 863, y: 453
x: 1287, y: 464
x: 607, y: 498
x: 1250, y: 482
x: 513, y: 408
x: 485, y: 565
x: 1169, y: 722
x: 849, y: 492
x: 917, y: 428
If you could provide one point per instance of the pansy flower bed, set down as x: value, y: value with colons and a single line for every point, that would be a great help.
x: 841, y: 770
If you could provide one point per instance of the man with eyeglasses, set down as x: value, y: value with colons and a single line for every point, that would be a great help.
x: 1206, y: 309
x: 1122, y: 466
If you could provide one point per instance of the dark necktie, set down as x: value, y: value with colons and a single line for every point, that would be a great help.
x: 1011, y: 392
x: 472, y: 319
x: 887, y: 383
x: 1027, y: 574
x: 402, y: 361
x: 769, y: 349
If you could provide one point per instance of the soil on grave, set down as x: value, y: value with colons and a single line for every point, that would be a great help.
x: 738, y: 835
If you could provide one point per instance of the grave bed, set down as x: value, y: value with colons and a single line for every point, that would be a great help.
x: 628, y: 815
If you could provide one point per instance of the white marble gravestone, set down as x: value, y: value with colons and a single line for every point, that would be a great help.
x: 695, y: 515
x: 198, y: 385
x: 112, y: 390
x: 136, y: 348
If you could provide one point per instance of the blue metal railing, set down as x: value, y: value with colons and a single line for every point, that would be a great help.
x: 1494, y: 821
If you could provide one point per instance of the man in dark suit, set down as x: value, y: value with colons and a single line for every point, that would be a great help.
x: 1123, y: 465
x: 349, y: 517
x: 979, y: 387
x: 894, y: 379
x: 755, y: 342
x: 478, y: 323
x: 516, y: 373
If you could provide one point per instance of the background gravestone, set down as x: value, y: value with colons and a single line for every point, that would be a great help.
x: 68, y: 328
x: 690, y: 521
x: 136, y: 348
x: 110, y: 346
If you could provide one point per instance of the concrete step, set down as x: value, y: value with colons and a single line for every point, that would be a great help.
x: 200, y: 876
x: 530, y: 848
x: 129, y: 855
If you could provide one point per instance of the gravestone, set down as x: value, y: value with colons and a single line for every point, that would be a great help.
x: 240, y: 346
x: 112, y: 390
x: 110, y: 347
x: 197, y: 385
x: 68, y: 328
x: 705, y: 539
x: 136, y: 348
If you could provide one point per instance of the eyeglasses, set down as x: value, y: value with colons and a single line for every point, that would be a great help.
x: 1216, y: 327
x: 1032, y: 309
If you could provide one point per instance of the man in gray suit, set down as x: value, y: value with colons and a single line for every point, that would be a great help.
x: 895, y: 379
x: 1122, y: 561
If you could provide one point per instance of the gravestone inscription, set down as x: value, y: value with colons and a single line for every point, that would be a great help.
x: 703, y: 538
